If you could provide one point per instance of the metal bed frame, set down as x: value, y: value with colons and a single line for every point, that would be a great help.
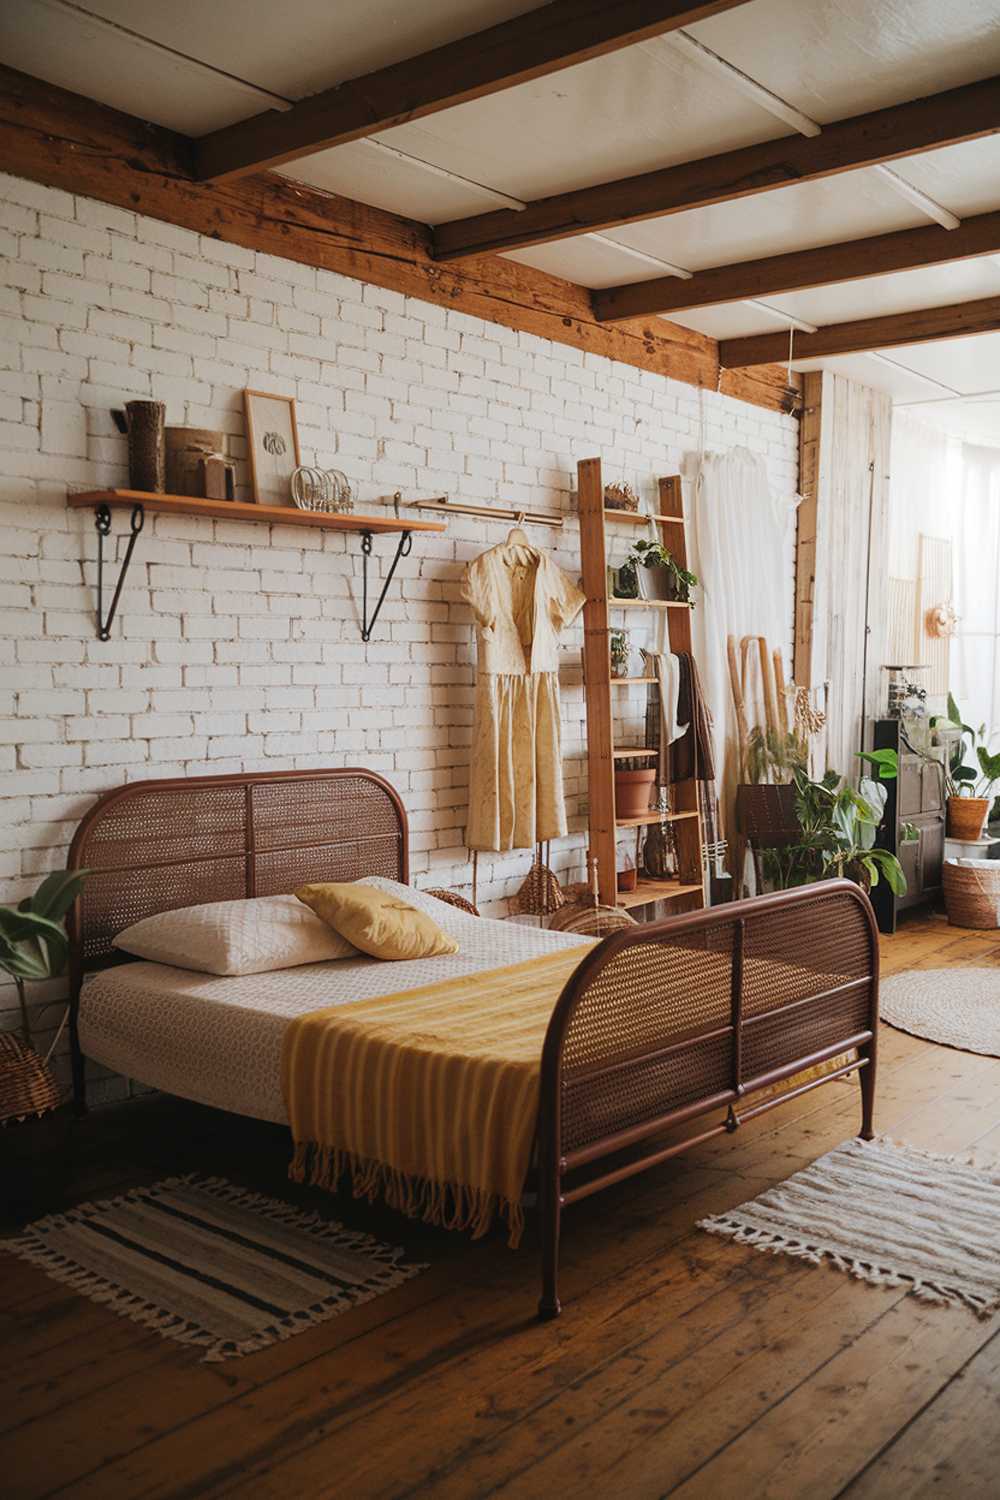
x: 660, y: 1024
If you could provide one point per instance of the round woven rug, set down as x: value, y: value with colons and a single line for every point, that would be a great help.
x: 957, y: 1007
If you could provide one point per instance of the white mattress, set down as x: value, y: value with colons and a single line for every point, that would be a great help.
x: 218, y: 1040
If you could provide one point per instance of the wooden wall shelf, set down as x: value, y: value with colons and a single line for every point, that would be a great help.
x: 647, y: 604
x: 648, y: 819
x: 638, y: 518
x: 241, y: 510
x: 659, y: 890
x: 138, y: 502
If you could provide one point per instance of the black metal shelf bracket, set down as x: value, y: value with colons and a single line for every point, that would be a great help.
x: 102, y: 520
x: 403, y: 550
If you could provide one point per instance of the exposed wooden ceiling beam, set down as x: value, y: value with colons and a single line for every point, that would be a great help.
x: 851, y: 260
x: 554, y: 36
x: 864, y: 334
x: 51, y: 136
x: 959, y: 114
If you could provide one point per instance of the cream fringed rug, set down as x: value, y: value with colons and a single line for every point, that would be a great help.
x: 889, y: 1214
x: 959, y: 1007
x: 208, y: 1264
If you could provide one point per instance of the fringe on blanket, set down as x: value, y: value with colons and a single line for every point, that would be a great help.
x: 448, y: 1205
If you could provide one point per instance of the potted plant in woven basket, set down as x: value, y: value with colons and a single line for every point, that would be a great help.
x: 33, y: 945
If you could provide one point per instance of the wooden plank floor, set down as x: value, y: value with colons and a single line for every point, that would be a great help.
x: 683, y: 1365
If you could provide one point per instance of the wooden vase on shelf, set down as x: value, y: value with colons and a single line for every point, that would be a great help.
x: 143, y: 424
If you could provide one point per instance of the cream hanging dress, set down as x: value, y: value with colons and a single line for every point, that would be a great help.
x: 522, y: 601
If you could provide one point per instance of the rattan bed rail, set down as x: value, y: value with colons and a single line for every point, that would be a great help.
x: 153, y: 846
x: 669, y: 1021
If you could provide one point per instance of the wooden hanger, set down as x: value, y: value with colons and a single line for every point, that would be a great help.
x: 517, y: 537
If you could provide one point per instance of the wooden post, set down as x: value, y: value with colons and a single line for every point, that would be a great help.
x: 688, y: 832
x: 597, y: 678
x: 805, y: 547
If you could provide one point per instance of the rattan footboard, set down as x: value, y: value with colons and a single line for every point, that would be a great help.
x: 669, y: 1021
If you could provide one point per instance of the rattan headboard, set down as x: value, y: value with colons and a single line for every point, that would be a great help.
x: 152, y: 846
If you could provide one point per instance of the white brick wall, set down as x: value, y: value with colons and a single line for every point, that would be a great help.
x: 237, y: 645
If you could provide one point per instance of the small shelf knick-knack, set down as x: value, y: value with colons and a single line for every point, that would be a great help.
x: 621, y: 652
x: 327, y: 491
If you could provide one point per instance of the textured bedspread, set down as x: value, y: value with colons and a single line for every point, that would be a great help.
x: 218, y: 1041
x: 429, y: 1097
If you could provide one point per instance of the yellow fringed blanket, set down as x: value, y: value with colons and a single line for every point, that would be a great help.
x: 429, y: 1096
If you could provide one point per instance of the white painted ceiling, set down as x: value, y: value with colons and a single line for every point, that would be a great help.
x: 194, y: 66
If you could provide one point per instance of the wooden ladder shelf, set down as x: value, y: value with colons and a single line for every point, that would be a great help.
x: 685, y: 819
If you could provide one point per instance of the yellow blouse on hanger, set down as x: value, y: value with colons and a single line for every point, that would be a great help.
x: 522, y: 602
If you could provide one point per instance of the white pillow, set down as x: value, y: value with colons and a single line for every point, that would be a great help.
x: 236, y: 937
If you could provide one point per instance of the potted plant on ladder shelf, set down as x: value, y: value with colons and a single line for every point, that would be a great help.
x: 658, y: 574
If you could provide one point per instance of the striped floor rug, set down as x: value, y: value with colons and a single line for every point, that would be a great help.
x: 889, y: 1214
x: 206, y: 1263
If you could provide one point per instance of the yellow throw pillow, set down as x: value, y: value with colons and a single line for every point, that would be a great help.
x: 375, y: 921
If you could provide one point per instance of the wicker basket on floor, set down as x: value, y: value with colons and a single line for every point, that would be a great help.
x: 972, y: 894
x: 27, y: 1086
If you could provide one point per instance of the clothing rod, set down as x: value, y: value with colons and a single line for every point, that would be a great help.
x: 490, y: 512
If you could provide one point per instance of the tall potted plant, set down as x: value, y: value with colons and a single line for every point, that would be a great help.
x: 969, y: 788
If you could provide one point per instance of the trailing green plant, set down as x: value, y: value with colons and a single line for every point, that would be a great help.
x: 33, y: 940
x: 655, y: 555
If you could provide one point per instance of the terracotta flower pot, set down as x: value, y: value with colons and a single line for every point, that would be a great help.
x: 626, y: 879
x: 632, y: 792
x: 966, y: 816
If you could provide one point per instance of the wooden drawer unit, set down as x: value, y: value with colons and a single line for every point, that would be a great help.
x: 915, y: 798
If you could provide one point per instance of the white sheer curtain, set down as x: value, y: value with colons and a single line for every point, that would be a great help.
x: 942, y: 487
x: 925, y: 473
x: 740, y: 550
x: 975, y: 532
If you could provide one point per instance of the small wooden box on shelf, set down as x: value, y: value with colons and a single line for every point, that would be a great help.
x: 598, y: 682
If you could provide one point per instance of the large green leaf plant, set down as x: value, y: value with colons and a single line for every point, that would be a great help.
x: 838, y: 828
x: 962, y: 779
x: 33, y: 941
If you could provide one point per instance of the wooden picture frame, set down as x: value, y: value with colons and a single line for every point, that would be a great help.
x: 273, y: 444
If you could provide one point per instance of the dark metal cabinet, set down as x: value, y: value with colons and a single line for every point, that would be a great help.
x: 917, y: 798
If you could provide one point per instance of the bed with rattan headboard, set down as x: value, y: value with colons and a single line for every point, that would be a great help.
x: 659, y: 1026
x: 154, y: 846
